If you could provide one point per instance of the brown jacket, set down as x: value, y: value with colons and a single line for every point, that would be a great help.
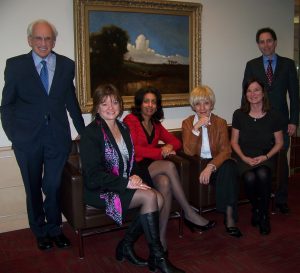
x: 218, y: 139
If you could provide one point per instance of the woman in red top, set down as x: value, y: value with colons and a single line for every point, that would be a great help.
x: 147, y: 131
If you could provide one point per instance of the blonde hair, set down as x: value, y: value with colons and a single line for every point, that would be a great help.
x: 202, y: 93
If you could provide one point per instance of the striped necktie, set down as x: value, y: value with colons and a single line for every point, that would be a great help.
x: 44, y: 75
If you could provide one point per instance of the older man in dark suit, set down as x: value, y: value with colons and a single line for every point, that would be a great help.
x: 37, y: 94
x: 280, y: 77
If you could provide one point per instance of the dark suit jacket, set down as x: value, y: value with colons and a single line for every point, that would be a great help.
x: 284, y: 80
x: 26, y: 108
x: 96, y: 178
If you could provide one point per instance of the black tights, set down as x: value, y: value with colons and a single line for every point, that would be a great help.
x: 147, y: 200
x: 258, y: 187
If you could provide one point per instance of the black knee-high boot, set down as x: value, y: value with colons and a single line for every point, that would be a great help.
x: 157, y: 258
x: 255, y: 212
x: 125, y: 248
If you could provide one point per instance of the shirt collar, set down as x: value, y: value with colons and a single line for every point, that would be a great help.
x: 37, y: 59
x: 267, y: 58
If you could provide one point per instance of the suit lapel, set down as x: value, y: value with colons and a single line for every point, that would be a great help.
x: 57, y: 73
x: 261, y: 69
x: 278, y: 68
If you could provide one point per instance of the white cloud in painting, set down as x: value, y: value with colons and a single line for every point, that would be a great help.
x: 142, y: 53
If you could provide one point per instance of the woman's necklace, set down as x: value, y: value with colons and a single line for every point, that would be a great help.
x: 257, y: 116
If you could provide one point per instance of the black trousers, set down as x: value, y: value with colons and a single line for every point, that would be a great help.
x: 225, y: 180
x: 41, y: 166
x: 258, y: 187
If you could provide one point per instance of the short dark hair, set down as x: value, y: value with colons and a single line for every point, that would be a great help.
x: 139, y: 98
x: 101, y: 93
x: 245, y: 103
x: 264, y: 30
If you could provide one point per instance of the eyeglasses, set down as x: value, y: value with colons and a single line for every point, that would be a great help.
x: 39, y: 39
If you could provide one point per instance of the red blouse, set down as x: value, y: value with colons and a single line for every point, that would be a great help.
x: 141, y: 146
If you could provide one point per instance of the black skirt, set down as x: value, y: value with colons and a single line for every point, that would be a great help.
x: 143, y: 171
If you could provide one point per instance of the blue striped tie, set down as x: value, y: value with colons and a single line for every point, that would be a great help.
x: 44, y: 75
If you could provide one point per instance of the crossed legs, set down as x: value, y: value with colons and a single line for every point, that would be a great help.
x: 166, y: 180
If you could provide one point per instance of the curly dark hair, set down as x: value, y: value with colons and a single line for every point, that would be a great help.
x: 245, y: 103
x: 138, y: 101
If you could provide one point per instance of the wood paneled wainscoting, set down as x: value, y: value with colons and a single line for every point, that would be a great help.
x: 13, y: 214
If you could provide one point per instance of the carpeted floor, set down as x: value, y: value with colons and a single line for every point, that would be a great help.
x: 210, y: 252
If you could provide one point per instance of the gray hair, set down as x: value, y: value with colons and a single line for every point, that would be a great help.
x: 41, y: 21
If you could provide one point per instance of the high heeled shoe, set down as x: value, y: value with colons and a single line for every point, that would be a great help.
x: 234, y: 231
x: 264, y: 225
x: 194, y: 227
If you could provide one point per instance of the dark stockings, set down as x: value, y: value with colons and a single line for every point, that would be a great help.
x: 147, y: 200
x: 258, y: 188
x: 165, y: 177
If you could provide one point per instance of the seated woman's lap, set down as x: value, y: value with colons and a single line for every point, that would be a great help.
x: 261, y: 174
x: 226, y: 183
x: 148, y: 198
x: 162, y: 167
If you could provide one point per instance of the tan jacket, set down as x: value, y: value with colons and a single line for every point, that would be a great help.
x: 218, y: 139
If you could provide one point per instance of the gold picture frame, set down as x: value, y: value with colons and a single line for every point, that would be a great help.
x: 171, y: 26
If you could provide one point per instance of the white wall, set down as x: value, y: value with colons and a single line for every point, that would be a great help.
x: 228, y: 41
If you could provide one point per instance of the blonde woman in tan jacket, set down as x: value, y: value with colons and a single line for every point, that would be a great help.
x: 206, y: 135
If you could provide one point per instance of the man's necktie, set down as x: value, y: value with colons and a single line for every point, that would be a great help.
x: 269, y: 72
x: 44, y: 75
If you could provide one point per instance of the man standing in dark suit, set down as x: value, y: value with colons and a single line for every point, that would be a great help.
x: 37, y: 94
x: 280, y: 77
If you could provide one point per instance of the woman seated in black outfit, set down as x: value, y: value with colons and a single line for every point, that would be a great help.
x: 256, y: 137
x: 111, y: 180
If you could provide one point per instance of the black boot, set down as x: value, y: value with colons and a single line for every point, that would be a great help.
x: 264, y: 224
x: 255, y: 217
x: 125, y: 250
x: 157, y: 258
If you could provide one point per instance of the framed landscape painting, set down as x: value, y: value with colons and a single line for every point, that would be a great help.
x: 133, y: 44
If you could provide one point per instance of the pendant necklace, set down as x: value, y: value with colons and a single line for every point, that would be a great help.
x: 255, y: 118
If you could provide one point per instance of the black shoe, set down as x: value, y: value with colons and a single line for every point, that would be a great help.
x: 61, y: 241
x: 234, y: 231
x: 166, y: 253
x: 44, y: 243
x: 194, y: 227
x: 283, y: 208
x: 163, y: 265
x: 255, y: 218
x: 264, y: 225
